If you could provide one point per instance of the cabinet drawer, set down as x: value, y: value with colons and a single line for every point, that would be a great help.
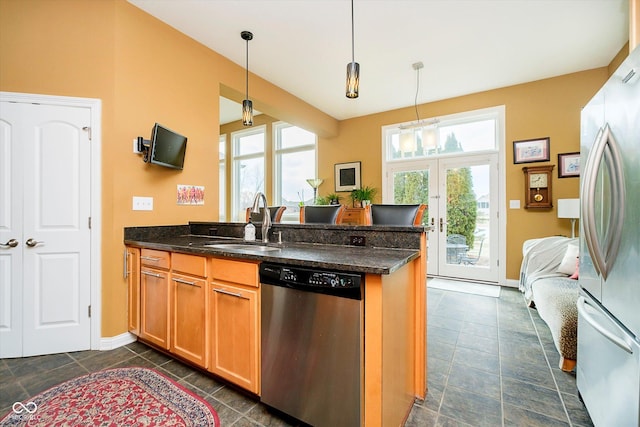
x: 353, y: 216
x: 242, y: 272
x: 189, y: 264
x: 153, y: 258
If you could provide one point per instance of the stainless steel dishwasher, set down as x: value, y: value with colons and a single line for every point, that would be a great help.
x: 312, y: 344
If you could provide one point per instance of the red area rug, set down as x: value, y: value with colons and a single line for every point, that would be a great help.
x: 115, y: 397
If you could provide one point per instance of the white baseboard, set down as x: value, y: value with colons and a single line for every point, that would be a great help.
x: 512, y: 283
x: 111, y: 343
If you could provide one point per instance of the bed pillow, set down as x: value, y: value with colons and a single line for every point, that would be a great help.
x: 568, y: 264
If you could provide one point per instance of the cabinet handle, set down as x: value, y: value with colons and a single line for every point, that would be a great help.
x: 186, y: 282
x: 233, y: 294
x: 127, y: 263
x: 148, y: 273
x: 150, y: 258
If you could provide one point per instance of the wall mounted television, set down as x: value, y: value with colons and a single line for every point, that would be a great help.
x: 166, y: 147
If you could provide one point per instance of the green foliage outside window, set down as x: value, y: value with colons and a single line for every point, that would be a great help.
x: 462, y: 208
x: 413, y: 187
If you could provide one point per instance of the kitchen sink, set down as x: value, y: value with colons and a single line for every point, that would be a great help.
x: 241, y: 247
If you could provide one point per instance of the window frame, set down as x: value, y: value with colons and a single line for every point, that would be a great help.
x: 496, y: 114
x: 222, y: 178
x: 277, y: 127
x: 235, y: 158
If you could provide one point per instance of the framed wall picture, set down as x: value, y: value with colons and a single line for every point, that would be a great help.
x: 568, y: 165
x: 347, y: 176
x: 531, y: 150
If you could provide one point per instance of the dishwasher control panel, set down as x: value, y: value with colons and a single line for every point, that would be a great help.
x: 309, y: 279
x: 333, y: 280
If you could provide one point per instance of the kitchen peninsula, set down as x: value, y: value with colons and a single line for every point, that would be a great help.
x: 195, y: 293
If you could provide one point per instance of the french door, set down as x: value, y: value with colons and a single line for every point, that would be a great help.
x: 45, y: 237
x: 462, y: 197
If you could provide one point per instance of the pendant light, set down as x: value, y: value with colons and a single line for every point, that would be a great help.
x: 425, y: 130
x: 353, y: 68
x: 247, y: 105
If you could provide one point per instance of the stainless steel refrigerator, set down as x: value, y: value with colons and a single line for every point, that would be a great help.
x: 608, y: 364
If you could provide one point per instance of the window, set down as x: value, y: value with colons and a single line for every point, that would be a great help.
x: 465, y: 133
x: 222, y: 174
x: 294, y: 163
x: 248, y: 169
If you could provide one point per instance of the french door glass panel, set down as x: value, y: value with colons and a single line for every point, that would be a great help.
x: 411, y: 186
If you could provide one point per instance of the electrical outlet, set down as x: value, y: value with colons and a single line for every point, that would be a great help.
x: 135, y: 146
x: 356, y: 240
x: 142, y: 203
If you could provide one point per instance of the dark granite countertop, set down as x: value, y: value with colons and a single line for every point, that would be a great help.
x: 376, y: 260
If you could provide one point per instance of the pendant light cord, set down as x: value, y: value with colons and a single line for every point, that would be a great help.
x: 247, y: 69
x: 415, y: 101
x: 352, y: 35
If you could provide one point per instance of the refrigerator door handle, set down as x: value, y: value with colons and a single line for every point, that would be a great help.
x: 605, y: 151
x: 582, y: 311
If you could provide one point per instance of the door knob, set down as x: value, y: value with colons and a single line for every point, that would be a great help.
x: 12, y: 243
x: 31, y: 242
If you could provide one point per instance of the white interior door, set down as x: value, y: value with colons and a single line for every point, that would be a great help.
x: 48, y: 189
x: 10, y: 239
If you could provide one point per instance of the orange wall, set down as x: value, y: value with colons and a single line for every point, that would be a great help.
x: 542, y: 108
x: 144, y: 71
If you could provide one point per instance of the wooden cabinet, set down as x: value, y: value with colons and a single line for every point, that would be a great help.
x: 189, y: 307
x: 154, y: 297
x: 203, y: 310
x: 354, y: 216
x: 132, y: 274
x: 234, y: 319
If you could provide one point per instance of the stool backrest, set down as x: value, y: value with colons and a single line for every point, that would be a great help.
x: 402, y: 215
x: 275, y: 211
x: 326, y: 214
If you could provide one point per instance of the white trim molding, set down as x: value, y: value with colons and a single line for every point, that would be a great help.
x: 110, y: 343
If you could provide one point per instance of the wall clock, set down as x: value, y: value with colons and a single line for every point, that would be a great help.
x: 537, y: 187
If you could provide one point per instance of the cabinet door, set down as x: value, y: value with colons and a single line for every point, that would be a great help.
x: 235, y: 334
x: 132, y: 274
x: 188, y: 320
x: 154, y: 306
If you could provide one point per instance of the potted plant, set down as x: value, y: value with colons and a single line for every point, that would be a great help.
x: 333, y: 198
x: 362, y: 197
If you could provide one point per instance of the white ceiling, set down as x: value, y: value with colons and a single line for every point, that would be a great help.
x: 467, y: 46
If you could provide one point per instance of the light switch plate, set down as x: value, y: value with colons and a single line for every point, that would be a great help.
x: 514, y: 204
x: 142, y: 203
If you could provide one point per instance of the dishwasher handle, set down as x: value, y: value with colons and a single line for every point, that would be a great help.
x: 582, y: 311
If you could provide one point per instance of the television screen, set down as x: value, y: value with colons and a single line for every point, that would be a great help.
x: 167, y: 147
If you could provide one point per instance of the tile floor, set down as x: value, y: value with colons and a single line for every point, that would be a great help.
x: 491, y: 362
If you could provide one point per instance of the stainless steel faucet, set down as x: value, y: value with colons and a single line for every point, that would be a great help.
x: 266, y: 217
